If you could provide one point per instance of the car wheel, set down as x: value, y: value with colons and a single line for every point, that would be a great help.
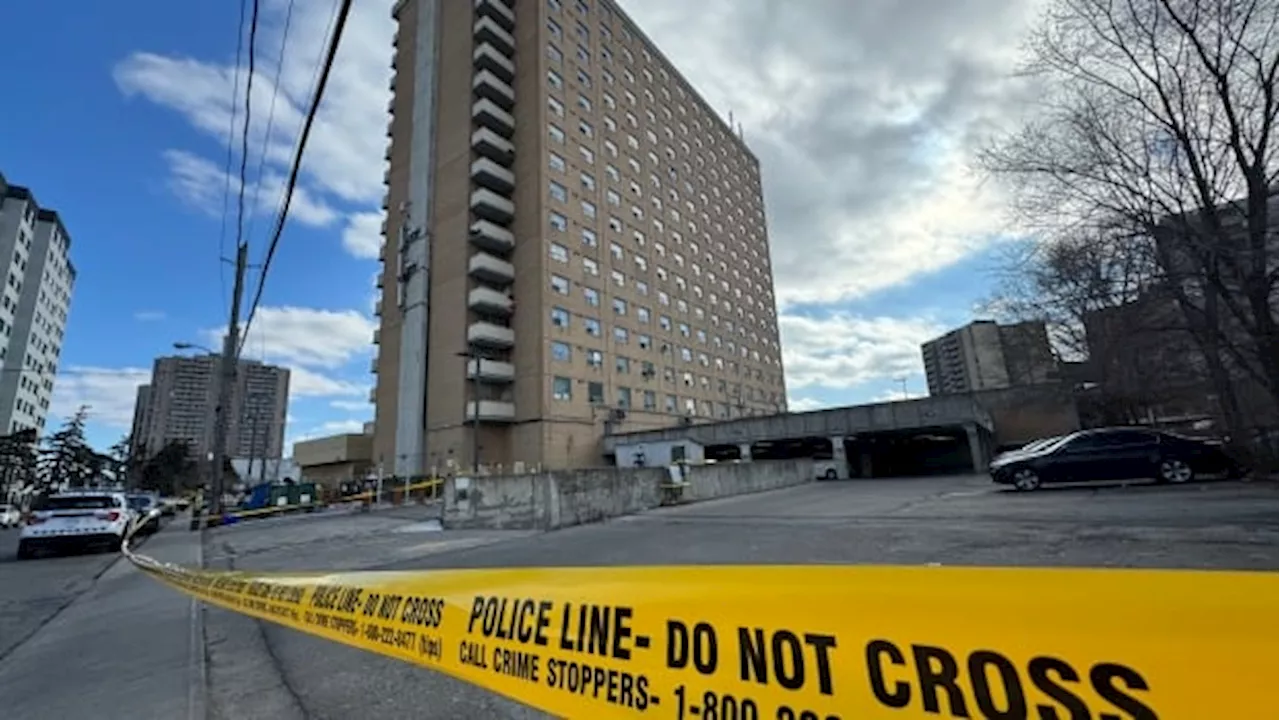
x: 831, y: 474
x: 1026, y: 479
x: 1173, y: 470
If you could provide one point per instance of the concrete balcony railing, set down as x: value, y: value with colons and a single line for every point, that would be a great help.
x: 499, y: 12
x: 377, y: 307
x: 487, y: 268
x: 488, y: 300
x: 377, y: 336
x: 489, y: 174
x: 491, y: 411
x: 373, y: 365
x: 494, y: 238
x: 493, y: 371
x: 373, y: 394
x: 489, y: 205
x: 486, y: 114
x: 488, y: 334
x: 490, y: 144
x: 487, y: 85
x: 487, y: 57
x: 486, y: 30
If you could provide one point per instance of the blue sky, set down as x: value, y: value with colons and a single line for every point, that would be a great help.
x: 124, y: 130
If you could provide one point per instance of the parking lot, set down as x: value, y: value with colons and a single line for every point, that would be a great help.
x: 950, y: 521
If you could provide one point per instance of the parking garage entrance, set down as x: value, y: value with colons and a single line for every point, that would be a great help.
x: 911, y: 452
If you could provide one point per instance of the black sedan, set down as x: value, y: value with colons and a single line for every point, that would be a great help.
x: 1110, y: 454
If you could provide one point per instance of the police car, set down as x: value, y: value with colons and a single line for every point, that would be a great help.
x: 79, y: 521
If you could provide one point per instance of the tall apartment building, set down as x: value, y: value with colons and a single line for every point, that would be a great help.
x: 986, y: 356
x: 575, y: 241
x: 38, y: 281
x: 179, y: 404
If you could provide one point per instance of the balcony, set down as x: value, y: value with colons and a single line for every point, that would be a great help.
x: 486, y: 30
x: 487, y: 268
x: 492, y: 371
x: 489, y: 205
x: 391, y: 123
x: 488, y: 300
x: 373, y: 394
x: 373, y: 365
x: 487, y: 57
x: 487, y: 236
x: 492, y: 411
x: 377, y: 307
x: 377, y: 336
x: 486, y: 334
x: 490, y: 144
x: 386, y: 201
x: 489, y: 174
x: 498, y: 12
x: 486, y: 114
x: 487, y: 85
x: 383, y: 230
x: 386, y: 176
x: 392, y: 84
x: 391, y: 104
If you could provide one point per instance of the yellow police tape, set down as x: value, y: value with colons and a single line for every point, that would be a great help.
x: 802, y: 643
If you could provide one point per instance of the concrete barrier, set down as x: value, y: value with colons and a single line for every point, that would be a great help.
x: 565, y: 498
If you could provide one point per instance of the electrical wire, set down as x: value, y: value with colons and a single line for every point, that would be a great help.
x: 344, y: 10
x: 244, y: 129
x: 226, y: 171
x: 271, y: 112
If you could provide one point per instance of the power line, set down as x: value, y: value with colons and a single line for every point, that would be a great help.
x: 244, y: 129
x: 226, y: 171
x: 271, y: 109
x: 344, y: 10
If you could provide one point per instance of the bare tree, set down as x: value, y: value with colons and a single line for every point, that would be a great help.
x: 1156, y: 133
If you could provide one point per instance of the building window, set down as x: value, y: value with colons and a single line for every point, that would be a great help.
x: 592, y: 296
x: 558, y: 221
x: 561, y: 388
x: 559, y: 253
x: 624, y: 398
x: 554, y: 79
x: 558, y: 192
x: 619, y: 306
x: 561, y: 352
x: 556, y: 134
x: 595, y: 393
x: 592, y: 326
x: 622, y: 365
x: 589, y: 238
x: 560, y: 317
x: 555, y: 162
x: 560, y: 285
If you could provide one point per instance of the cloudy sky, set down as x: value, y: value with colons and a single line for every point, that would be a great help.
x: 863, y: 115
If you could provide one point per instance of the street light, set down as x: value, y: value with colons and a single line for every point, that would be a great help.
x: 192, y: 346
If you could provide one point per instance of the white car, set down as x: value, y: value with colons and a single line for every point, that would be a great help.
x: 76, y: 520
x: 9, y: 517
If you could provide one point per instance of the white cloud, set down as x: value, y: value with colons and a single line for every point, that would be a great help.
x: 897, y: 396
x: 307, y: 337
x: 805, y: 404
x: 352, y: 405
x: 149, y: 315
x: 109, y: 393
x: 306, y: 383
x: 362, y: 236
x: 201, y: 183
x: 843, y: 351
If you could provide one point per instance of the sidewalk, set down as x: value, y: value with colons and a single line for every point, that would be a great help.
x: 127, y: 648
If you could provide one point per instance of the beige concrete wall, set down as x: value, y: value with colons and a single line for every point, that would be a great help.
x: 574, y: 497
x: 333, y: 449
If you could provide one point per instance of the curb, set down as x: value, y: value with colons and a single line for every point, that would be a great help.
x: 198, y: 683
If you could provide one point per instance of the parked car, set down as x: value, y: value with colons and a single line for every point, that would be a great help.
x: 75, y: 520
x: 147, y: 513
x: 10, y: 517
x: 1124, y: 453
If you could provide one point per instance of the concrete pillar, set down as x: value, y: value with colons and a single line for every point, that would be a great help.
x: 977, y: 449
x: 839, y: 458
x: 744, y: 452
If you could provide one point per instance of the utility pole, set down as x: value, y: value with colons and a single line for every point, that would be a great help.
x: 226, y: 382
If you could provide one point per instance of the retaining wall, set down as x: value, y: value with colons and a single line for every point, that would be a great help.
x: 546, y: 501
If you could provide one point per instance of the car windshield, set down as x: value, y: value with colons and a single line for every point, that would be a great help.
x: 140, y: 502
x: 1042, y: 443
x: 77, y: 502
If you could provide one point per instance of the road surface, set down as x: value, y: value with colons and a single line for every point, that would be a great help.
x: 952, y: 521
x: 89, y: 636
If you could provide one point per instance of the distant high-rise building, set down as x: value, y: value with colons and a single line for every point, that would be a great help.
x: 576, y: 242
x: 179, y: 404
x: 986, y: 356
x: 36, y: 297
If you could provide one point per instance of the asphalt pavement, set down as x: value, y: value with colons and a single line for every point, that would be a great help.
x: 949, y: 521
x: 90, y: 636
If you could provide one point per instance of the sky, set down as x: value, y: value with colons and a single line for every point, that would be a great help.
x: 864, y: 116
